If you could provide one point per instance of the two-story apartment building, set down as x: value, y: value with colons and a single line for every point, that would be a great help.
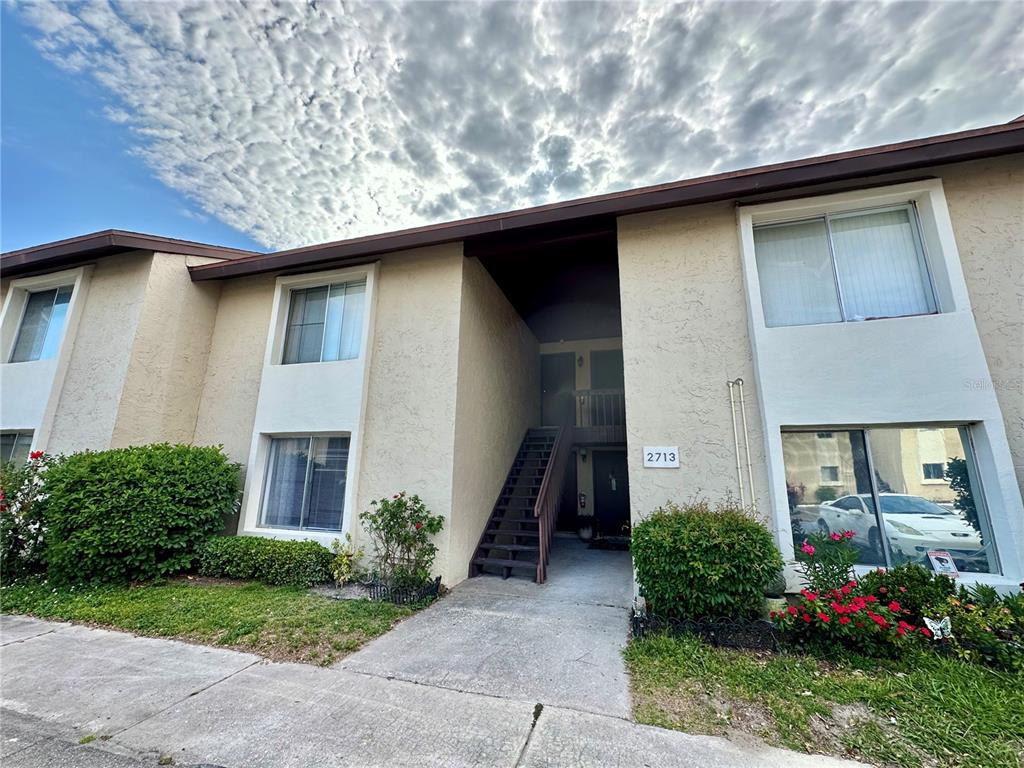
x: 838, y: 341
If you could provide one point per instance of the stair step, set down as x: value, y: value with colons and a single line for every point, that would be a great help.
x: 502, y: 563
x: 517, y: 534
x: 511, y: 547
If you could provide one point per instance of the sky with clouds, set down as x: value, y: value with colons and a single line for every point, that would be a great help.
x: 300, y: 123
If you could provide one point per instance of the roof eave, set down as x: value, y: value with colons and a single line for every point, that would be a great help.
x: 938, y: 150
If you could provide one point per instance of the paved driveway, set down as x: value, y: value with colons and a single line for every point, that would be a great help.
x: 559, y: 643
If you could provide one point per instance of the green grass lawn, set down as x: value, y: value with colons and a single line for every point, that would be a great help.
x: 924, y: 710
x: 281, y: 623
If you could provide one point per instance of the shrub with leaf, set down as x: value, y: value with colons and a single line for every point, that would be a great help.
x: 400, y: 529
x: 698, y: 561
x: 828, y: 559
x: 132, y: 514
x: 345, y: 563
x: 846, y: 618
x: 22, y: 527
x: 919, y: 591
x: 278, y: 562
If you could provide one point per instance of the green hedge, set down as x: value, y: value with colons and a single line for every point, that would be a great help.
x: 696, y: 561
x: 132, y: 514
x: 272, y: 561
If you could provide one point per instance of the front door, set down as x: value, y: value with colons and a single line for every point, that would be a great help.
x: 611, y: 493
x: 557, y: 382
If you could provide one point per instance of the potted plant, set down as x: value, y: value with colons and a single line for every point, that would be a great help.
x: 775, y: 593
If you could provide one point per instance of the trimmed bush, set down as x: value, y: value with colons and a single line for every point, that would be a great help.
x: 271, y: 561
x: 133, y: 514
x: 920, y: 592
x: 697, y: 561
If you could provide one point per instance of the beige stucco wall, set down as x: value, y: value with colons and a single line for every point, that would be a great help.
x: 986, y: 205
x: 87, y: 410
x: 161, y: 392
x: 498, y: 399
x: 684, y: 335
x: 231, y: 385
x: 409, y: 426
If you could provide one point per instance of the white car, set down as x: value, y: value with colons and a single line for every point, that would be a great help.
x: 913, y: 525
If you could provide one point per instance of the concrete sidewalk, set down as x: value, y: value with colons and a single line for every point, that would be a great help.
x: 145, y: 699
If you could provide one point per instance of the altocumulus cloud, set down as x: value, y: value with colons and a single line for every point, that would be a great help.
x: 300, y: 123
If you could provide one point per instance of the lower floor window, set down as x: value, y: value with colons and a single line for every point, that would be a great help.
x: 305, y: 486
x: 14, y: 447
x: 875, y: 487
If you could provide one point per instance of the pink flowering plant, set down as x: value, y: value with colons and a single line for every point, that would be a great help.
x: 22, y: 528
x: 846, y: 618
x: 827, y: 559
x: 401, y: 530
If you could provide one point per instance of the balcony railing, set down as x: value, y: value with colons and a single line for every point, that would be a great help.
x: 600, y: 416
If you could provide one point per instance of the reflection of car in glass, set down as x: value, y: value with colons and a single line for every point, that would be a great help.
x: 913, y: 525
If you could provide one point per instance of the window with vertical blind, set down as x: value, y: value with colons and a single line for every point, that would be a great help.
x: 305, y: 484
x: 843, y: 267
x: 325, y: 323
x: 42, y: 325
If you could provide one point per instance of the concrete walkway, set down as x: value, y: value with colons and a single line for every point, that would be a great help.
x: 559, y: 643
x: 526, y: 689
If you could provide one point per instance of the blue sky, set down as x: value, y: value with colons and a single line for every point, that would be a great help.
x: 271, y: 126
x: 68, y: 170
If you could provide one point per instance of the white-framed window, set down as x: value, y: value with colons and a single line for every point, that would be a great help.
x: 933, y: 470
x: 325, y: 322
x: 42, y: 324
x: 843, y: 266
x: 14, y: 447
x: 896, y: 517
x: 305, y: 483
x: 830, y: 474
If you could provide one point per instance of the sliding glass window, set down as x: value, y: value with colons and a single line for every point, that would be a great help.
x: 325, y: 323
x: 871, y: 481
x: 42, y: 325
x: 305, y: 485
x: 839, y: 267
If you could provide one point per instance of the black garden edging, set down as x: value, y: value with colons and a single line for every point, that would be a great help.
x: 405, y: 595
x: 758, y: 635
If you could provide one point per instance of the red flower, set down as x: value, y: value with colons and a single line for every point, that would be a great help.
x: 872, y: 598
x: 847, y: 534
x: 844, y: 619
x: 35, y: 455
x: 836, y: 537
x: 418, y: 526
x: 807, y: 617
x: 807, y: 548
x: 883, y: 590
x: 824, y: 617
x: 903, y: 589
x: 894, y: 607
x: 845, y: 590
x: 792, y: 610
x: 926, y: 632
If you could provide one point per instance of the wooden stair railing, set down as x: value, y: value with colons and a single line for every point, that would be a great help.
x: 549, y: 497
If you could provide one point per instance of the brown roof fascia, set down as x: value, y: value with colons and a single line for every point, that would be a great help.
x: 77, y: 250
x: 936, y: 150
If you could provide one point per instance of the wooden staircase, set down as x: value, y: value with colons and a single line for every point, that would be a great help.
x: 518, y: 533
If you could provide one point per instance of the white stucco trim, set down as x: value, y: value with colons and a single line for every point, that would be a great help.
x: 302, y: 399
x: 31, y: 389
x: 877, y: 376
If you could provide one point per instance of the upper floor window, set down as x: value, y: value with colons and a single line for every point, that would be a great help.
x: 42, y: 325
x: 838, y: 267
x: 325, y: 323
